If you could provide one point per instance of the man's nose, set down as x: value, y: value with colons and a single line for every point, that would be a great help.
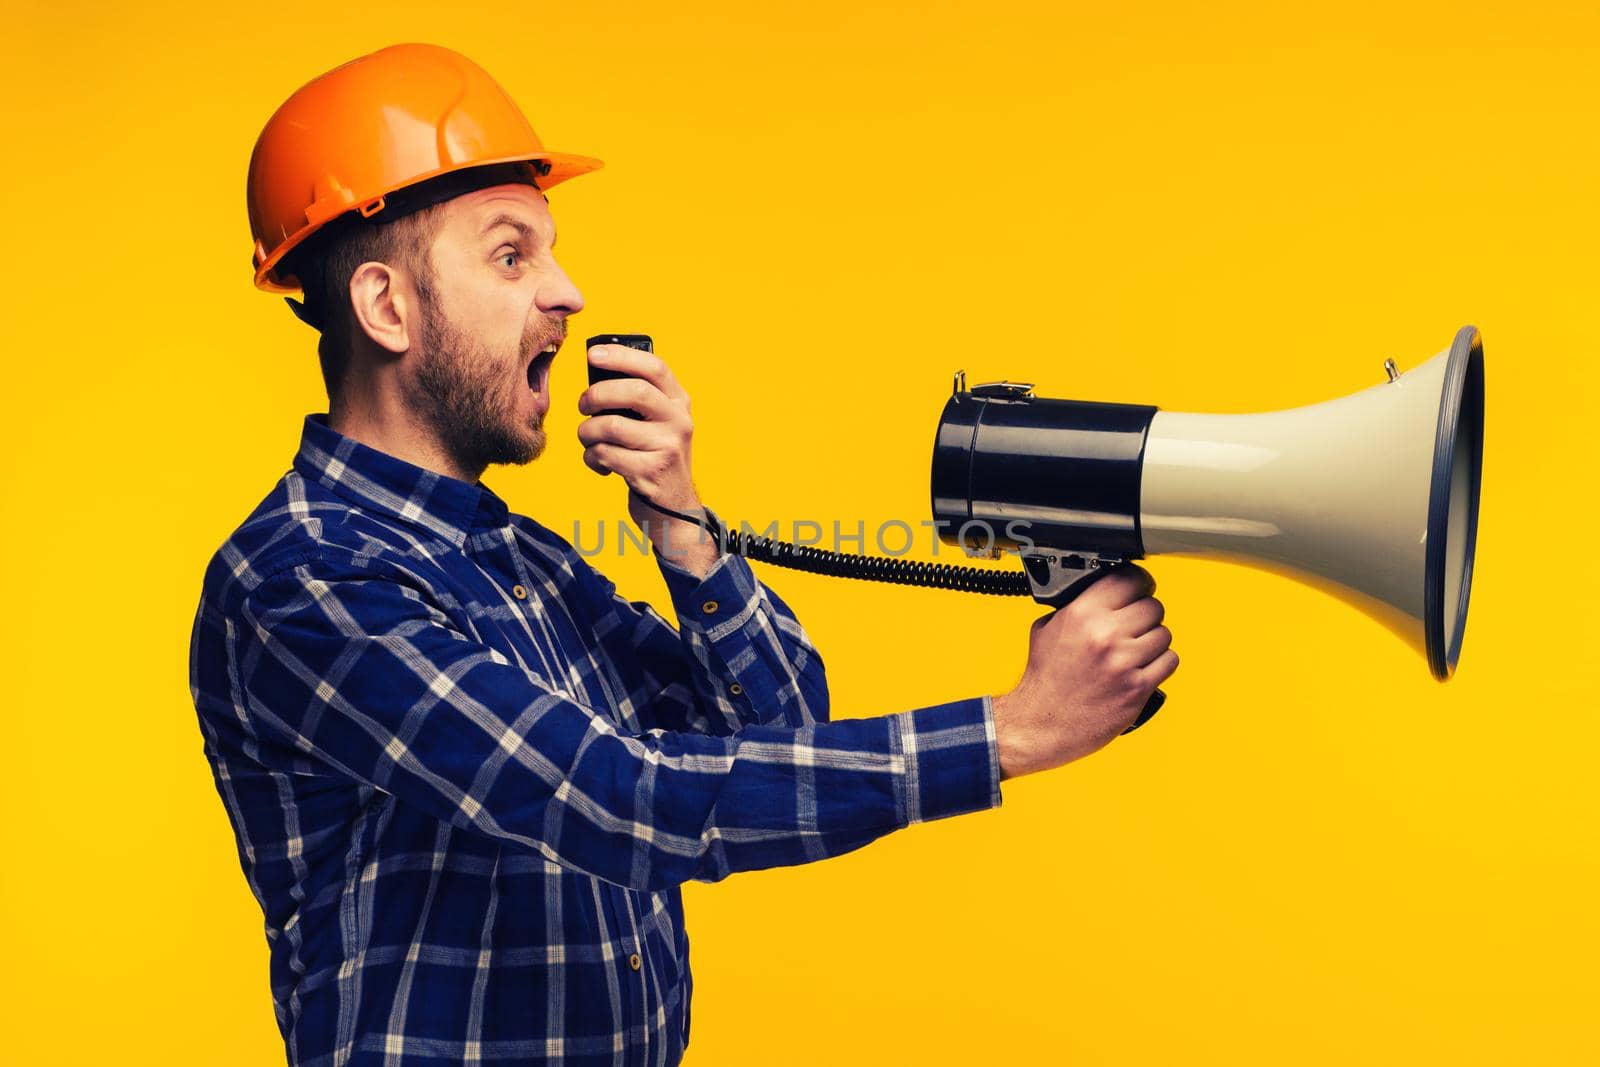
x: 557, y: 295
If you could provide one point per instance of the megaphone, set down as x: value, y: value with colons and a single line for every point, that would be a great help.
x: 1371, y: 497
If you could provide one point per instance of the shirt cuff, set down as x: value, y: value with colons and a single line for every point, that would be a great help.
x: 952, y: 759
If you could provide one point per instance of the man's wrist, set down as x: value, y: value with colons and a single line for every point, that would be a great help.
x: 685, y: 545
x: 1005, y: 736
x: 697, y: 557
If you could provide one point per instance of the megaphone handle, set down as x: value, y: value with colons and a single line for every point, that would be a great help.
x: 1062, y: 597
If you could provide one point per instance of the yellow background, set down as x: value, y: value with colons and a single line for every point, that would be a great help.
x: 1315, y: 855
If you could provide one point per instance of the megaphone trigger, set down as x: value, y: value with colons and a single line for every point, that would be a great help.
x: 1056, y: 578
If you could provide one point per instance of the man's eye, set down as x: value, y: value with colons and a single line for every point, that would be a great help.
x: 512, y: 256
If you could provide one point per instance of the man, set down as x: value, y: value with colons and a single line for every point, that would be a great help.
x: 466, y: 776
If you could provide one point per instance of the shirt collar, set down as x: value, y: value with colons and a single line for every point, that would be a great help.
x: 376, y: 481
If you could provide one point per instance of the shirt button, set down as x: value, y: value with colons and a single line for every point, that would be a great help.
x: 735, y: 688
x: 635, y: 962
x: 709, y: 607
x: 520, y: 592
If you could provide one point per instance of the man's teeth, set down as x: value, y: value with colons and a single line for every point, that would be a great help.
x: 540, y: 364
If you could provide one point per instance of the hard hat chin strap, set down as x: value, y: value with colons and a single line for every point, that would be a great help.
x: 303, y: 313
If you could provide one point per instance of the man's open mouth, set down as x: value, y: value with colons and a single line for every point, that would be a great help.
x: 539, y: 369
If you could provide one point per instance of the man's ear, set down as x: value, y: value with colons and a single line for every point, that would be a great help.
x: 378, y: 298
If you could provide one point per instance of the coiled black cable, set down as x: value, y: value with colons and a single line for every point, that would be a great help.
x: 853, y: 565
x: 878, y: 568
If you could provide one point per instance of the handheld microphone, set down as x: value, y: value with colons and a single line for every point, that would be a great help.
x: 640, y: 341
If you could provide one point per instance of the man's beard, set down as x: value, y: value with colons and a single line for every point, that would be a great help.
x: 459, y: 389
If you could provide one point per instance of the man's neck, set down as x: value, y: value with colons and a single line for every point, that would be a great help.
x: 398, y: 436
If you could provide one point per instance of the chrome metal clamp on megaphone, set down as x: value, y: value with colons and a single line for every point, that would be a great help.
x: 1371, y: 497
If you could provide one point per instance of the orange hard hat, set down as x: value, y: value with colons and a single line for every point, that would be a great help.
x: 384, y: 122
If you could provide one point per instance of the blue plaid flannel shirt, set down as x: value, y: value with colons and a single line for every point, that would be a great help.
x: 467, y: 778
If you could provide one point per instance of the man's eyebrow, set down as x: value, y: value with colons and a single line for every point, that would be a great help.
x: 517, y: 224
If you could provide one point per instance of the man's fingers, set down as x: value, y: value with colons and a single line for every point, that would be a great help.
x: 641, y: 396
x: 592, y: 460
x: 1142, y: 616
x: 1159, y: 669
x: 1125, y: 583
x: 1148, y: 646
x: 620, y: 430
x: 637, y: 363
x: 637, y: 467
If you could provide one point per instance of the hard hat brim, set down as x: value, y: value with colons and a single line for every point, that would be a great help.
x: 562, y: 165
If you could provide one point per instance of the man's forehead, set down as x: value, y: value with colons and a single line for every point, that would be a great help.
x: 516, y: 203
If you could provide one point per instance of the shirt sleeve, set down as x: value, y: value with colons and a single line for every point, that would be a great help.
x: 738, y: 657
x: 351, y: 663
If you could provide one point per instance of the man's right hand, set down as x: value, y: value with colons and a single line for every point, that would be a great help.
x: 1091, y: 667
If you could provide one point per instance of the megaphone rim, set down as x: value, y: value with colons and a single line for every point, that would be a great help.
x: 1462, y: 399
